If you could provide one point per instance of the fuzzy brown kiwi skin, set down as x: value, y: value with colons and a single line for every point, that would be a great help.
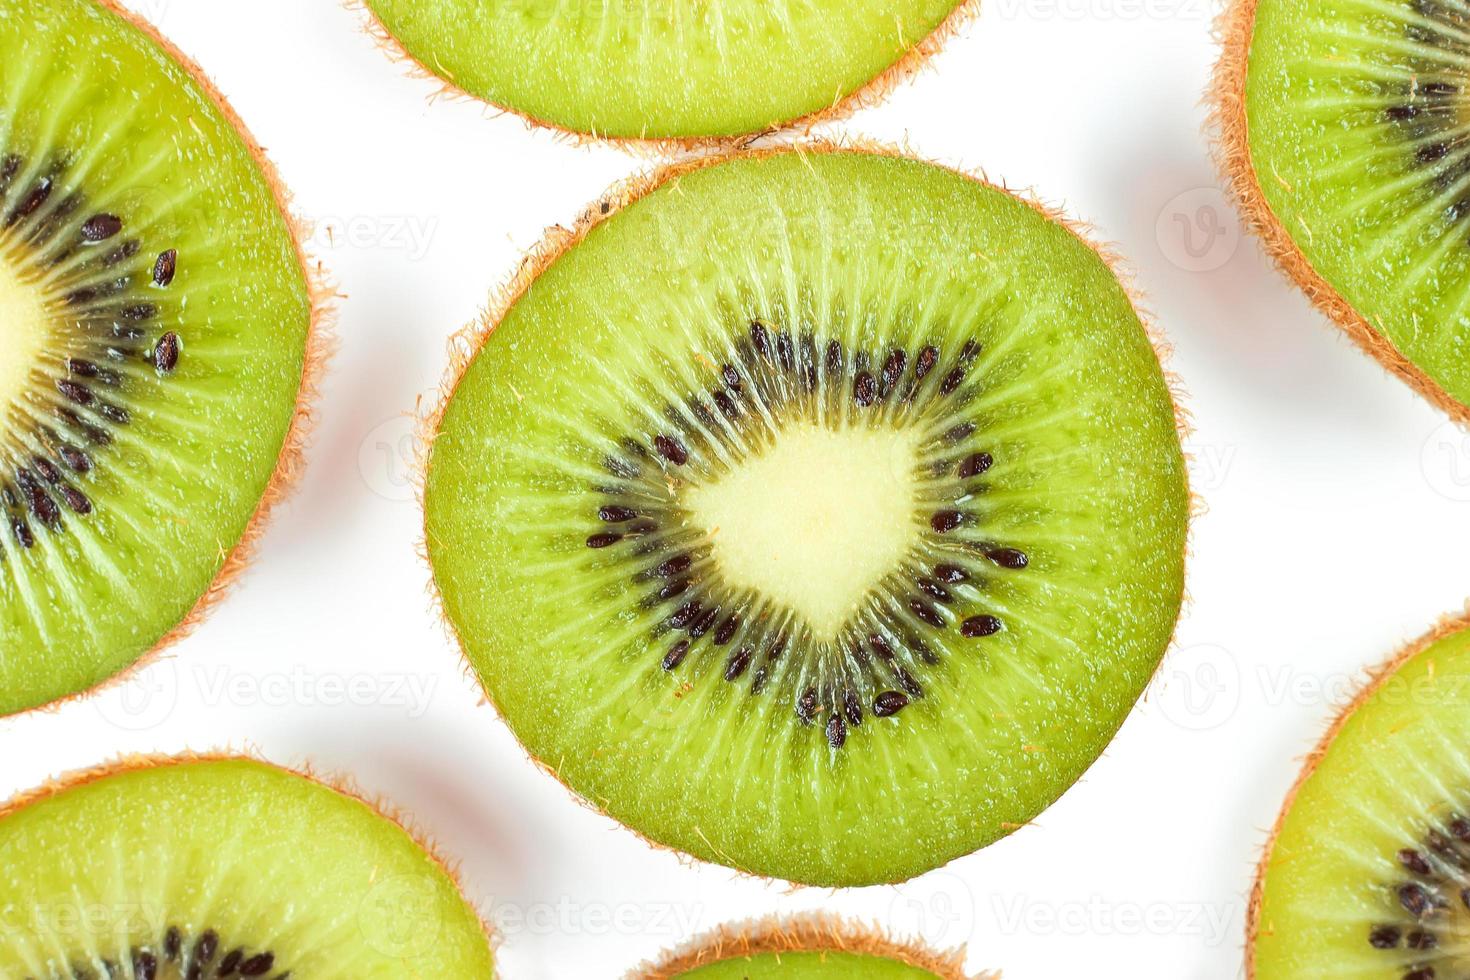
x: 804, y: 934
x: 1228, y: 120
x: 466, y: 344
x: 1380, y: 675
x: 320, y: 346
x: 341, y: 785
x: 872, y: 93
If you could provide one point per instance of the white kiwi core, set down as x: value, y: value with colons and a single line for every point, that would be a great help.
x: 23, y: 334
x: 815, y: 520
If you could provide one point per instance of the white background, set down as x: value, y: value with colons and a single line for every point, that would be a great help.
x: 1337, y: 526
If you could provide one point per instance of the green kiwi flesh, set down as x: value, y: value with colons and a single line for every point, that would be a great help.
x: 155, y: 317
x: 1355, y: 123
x: 820, y: 513
x: 642, y: 69
x: 1368, y: 874
x: 223, y: 868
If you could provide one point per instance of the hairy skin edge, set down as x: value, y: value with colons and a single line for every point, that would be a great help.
x: 870, y: 94
x: 466, y: 344
x: 341, y: 785
x: 804, y: 934
x: 1447, y: 626
x: 320, y: 346
x: 1235, y: 28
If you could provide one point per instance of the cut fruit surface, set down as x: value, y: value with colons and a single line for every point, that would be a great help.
x: 222, y: 868
x: 1345, y: 138
x: 818, y: 513
x: 156, y: 320
x: 805, y: 948
x: 643, y: 69
x: 1368, y: 873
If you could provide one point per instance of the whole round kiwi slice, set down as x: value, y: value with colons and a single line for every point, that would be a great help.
x: 811, y: 947
x: 186, y: 869
x: 655, y: 70
x: 1343, y: 138
x: 817, y: 512
x: 157, y: 320
x: 1368, y: 871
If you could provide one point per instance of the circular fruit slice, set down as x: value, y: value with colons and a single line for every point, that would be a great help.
x: 1344, y: 138
x: 805, y: 948
x: 219, y: 867
x: 819, y: 513
x: 1368, y: 871
x: 648, y: 69
x: 157, y: 321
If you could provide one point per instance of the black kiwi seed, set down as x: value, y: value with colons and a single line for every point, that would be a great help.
x: 760, y: 338
x: 101, y: 227
x: 975, y: 464
x: 836, y: 731
x: 892, y: 370
x: 616, y: 514
x: 1421, y: 940
x: 928, y: 357
x: 889, y: 703
x: 945, y: 521
x: 1008, y: 557
x: 1414, y: 861
x: 864, y: 389
x: 603, y: 540
x: 1414, y: 899
x: 676, y: 655
x: 166, y: 353
x: 978, y: 626
x: 258, y: 964
x: 934, y: 590
x: 172, y: 943
x: 1384, y: 937
x: 926, y: 613
x: 671, y: 449
x: 806, y: 705
x: 738, y: 663
x: 727, y: 630
x: 952, y: 574
x: 834, y: 358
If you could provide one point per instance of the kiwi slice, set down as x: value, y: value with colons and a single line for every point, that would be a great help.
x: 654, y: 70
x: 1368, y: 870
x: 1344, y: 137
x: 202, y: 868
x: 818, y: 512
x: 812, y: 947
x: 157, y: 319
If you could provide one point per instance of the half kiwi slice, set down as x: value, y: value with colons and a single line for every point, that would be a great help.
x: 650, y: 70
x: 1345, y: 139
x: 812, y: 947
x: 1368, y: 871
x: 157, y: 319
x: 194, y: 868
x: 818, y: 512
